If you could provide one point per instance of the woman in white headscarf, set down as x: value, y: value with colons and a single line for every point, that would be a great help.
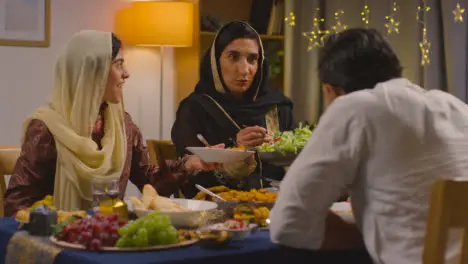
x: 84, y: 134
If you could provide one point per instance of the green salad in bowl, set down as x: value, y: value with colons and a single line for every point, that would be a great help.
x: 285, y: 146
x: 288, y: 141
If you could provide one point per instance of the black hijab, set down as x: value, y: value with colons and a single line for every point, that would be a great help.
x: 251, y: 108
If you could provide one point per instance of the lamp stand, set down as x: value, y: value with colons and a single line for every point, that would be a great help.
x: 161, y: 88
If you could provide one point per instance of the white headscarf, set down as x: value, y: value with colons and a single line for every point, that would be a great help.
x: 81, y: 73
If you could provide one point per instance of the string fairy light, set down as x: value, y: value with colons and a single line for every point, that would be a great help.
x: 316, y: 35
x: 338, y: 26
x: 392, y: 24
x: 424, y: 44
x: 458, y: 13
x: 365, y: 14
x: 291, y: 19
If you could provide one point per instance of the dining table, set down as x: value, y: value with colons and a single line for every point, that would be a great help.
x: 17, y: 246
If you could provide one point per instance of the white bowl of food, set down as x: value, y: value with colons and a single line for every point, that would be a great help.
x: 195, y: 214
x: 236, y: 227
x: 183, y: 213
x: 219, y: 155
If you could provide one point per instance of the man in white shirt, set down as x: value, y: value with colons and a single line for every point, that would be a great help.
x: 385, y: 141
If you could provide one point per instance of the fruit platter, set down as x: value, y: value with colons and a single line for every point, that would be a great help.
x: 110, y: 233
x: 285, y: 147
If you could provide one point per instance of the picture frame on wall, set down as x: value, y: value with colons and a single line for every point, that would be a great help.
x: 25, y: 23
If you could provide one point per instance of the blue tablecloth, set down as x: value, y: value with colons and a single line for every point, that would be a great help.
x: 255, y: 249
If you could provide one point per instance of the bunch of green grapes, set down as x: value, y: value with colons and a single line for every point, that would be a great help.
x: 151, y: 230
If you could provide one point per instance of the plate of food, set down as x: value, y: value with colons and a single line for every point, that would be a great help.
x: 220, y: 155
x: 23, y: 215
x: 126, y: 249
x: 285, y: 147
x: 182, y: 212
x: 258, y: 196
x: 111, y: 233
x: 238, y: 228
x: 254, y: 205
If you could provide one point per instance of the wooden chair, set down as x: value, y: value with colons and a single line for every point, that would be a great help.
x: 161, y: 150
x: 8, y: 157
x: 448, y: 210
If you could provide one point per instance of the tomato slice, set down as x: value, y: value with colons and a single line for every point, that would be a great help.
x: 239, y: 223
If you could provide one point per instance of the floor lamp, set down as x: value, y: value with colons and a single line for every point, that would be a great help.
x: 157, y: 24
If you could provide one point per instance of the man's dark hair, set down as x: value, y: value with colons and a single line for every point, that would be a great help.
x: 357, y: 59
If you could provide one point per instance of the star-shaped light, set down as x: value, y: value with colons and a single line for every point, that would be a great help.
x: 421, y: 10
x: 338, y: 26
x: 291, y: 19
x: 316, y: 35
x: 315, y: 38
x: 424, y: 44
x: 392, y: 26
x: 458, y: 13
x: 425, y: 49
x: 365, y: 14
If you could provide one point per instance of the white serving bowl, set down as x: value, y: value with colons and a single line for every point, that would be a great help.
x: 200, y: 212
x: 218, y: 155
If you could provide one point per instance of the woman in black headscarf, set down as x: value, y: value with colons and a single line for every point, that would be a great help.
x: 232, y: 104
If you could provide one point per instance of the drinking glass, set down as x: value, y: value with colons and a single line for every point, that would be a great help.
x: 104, y: 189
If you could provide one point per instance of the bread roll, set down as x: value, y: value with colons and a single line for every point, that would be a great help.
x: 164, y: 204
x: 148, y: 190
x: 137, y: 204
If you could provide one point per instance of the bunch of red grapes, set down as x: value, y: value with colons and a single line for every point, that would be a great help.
x: 93, y: 233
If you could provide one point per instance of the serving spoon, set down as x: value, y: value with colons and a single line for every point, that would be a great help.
x: 210, y: 193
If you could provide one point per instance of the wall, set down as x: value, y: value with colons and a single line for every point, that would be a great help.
x: 26, y: 73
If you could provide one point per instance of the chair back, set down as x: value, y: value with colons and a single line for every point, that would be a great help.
x: 448, y: 209
x: 161, y: 150
x: 8, y: 157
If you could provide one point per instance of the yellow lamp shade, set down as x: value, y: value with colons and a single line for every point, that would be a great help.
x: 157, y: 23
x: 123, y: 24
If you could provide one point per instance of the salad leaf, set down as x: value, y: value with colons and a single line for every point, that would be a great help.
x: 288, y: 141
x: 58, y: 228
